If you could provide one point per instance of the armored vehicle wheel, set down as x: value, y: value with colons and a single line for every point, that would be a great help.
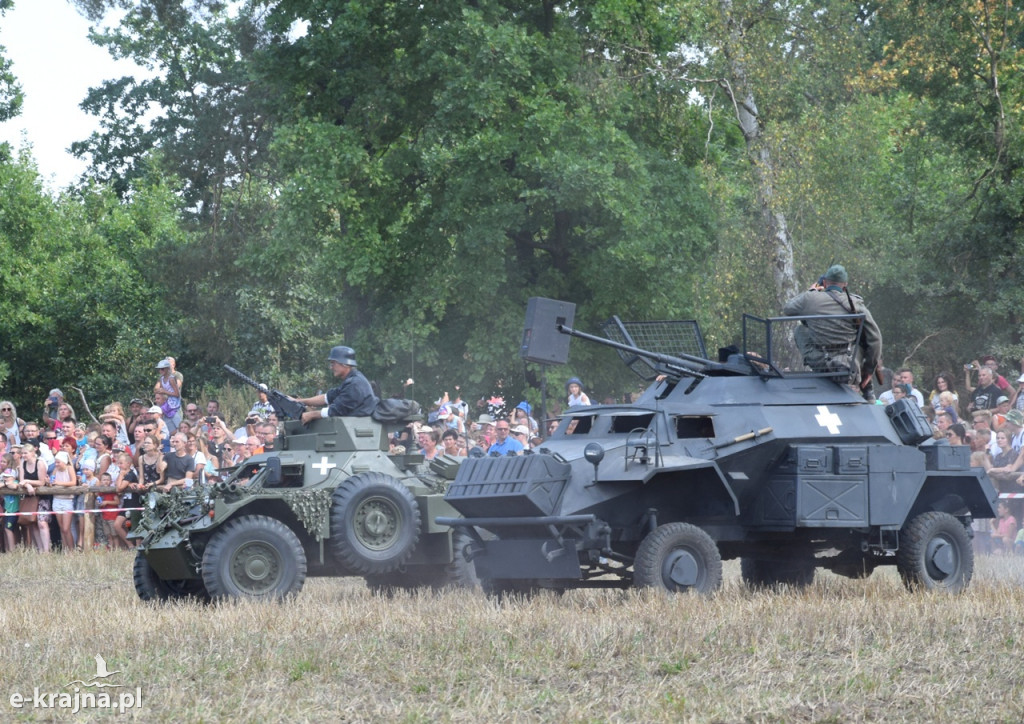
x: 254, y: 557
x: 375, y: 523
x: 151, y: 587
x: 768, y: 573
x: 935, y: 553
x: 678, y: 557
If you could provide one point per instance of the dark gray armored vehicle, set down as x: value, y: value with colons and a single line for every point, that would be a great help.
x: 329, y: 500
x: 737, y: 458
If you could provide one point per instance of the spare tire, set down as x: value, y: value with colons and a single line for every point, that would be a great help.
x: 375, y: 524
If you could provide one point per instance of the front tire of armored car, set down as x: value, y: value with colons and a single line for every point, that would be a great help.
x: 375, y: 524
x: 254, y: 557
x: 678, y: 557
x: 935, y: 553
x: 151, y: 587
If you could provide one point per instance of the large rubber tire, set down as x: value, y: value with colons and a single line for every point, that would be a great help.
x: 678, y: 557
x: 935, y: 553
x: 151, y: 587
x: 797, y: 572
x: 375, y: 524
x: 254, y: 557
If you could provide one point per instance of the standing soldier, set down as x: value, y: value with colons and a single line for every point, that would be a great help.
x: 826, y: 345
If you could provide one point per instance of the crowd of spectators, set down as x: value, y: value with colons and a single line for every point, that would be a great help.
x: 986, y: 414
x: 161, y: 442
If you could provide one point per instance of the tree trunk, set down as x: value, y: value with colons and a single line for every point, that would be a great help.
x: 775, y: 235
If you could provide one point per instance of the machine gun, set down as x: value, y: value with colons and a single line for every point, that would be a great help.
x: 285, y: 407
x: 682, y: 365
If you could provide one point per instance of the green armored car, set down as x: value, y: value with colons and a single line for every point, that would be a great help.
x: 327, y: 501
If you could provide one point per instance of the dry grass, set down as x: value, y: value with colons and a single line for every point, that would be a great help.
x: 840, y: 651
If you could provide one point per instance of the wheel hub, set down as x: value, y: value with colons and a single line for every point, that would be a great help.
x: 941, y: 557
x: 255, y: 567
x: 377, y: 523
x: 681, y: 569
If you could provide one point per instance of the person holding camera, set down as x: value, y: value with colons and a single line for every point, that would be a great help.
x: 826, y: 345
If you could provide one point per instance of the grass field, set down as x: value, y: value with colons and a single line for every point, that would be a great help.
x: 838, y: 651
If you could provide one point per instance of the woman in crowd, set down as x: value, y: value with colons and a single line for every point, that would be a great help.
x: 944, y: 383
x: 956, y: 434
x: 151, y: 462
x: 65, y: 421
x: 427, y: 438
x: 64, y: 505
x: 10, y: 425
x: 102, y: 444
x: 31, y: 475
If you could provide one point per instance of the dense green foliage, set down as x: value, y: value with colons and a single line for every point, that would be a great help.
x: 403, y: 176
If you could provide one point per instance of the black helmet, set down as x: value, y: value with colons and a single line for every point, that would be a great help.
x: 343, y: 355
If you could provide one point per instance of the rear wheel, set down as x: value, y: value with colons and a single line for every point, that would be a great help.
x: 935, y: 553
x: 678, y: 557
x: 254, y: 557
x: 151, y: 587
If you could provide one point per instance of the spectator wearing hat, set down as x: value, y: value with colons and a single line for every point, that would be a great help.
x: 160, y: 429
x: 138, y: 410
x: 260, y: 409
x: 999, y: 414
x: 504, y: 444
x: 523, y: 415
x: 169, y: 385
x: 574, y: 390
x: 522, y: 434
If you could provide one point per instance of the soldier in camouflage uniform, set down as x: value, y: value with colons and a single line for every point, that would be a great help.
x: 826, y: 345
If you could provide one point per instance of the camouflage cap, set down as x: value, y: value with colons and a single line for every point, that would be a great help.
x: 1015, y: 417
x: 837, y: 273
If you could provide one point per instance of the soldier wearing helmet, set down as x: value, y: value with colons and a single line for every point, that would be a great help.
x: 826, y: 345
x: 353, y: 397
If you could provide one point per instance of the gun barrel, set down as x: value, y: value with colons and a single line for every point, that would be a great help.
x: 243, y: 377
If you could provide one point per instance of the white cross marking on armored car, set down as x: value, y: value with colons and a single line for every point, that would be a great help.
x: 323, y: 466
x: 828, y: 419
